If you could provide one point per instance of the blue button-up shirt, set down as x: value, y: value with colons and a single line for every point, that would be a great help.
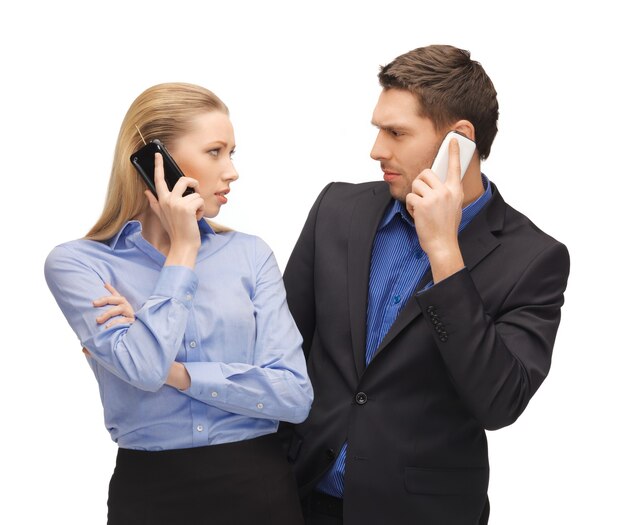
x: 398, y: 265
x: 227, y: 321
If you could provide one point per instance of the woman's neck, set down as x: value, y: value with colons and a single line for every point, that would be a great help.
x: 152, y: 231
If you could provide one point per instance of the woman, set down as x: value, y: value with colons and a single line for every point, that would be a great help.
x: 198, y: 366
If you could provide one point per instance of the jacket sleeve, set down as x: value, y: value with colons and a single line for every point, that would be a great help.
x: 299, y: 277
x: 498, y: 362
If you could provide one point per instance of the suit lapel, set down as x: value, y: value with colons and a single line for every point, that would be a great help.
x: 476, y: 242
x: 368, y: 211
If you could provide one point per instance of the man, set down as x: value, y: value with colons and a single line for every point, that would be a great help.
x: 428, y: 309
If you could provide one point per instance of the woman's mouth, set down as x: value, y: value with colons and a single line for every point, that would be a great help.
x: 221, y: 196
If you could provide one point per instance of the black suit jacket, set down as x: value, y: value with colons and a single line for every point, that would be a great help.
x: 464, y: 356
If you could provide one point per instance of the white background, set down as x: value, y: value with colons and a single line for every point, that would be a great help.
x: 300, y: 80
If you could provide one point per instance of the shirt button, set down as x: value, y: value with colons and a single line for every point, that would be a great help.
x: 189, y: 297
x: 199, y: 428
x: 259, y: 406
x: 396, y: 299
x: 213, y: 394
x: 193, y: 344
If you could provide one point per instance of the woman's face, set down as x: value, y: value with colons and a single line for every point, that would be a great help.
x: 205, y: 153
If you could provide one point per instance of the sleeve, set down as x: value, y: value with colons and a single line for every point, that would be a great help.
x: 140, y: 353
x: 498, y: 363
x: 276, y: 385
x: 299, y: 277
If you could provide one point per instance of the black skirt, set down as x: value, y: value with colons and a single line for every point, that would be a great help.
x: 246, y: 482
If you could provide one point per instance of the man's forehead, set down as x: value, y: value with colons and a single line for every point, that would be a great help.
x: 397, y: 119
x: 395, y: 108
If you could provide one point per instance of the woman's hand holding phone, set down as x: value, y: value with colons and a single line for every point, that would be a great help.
x: 178, y: 214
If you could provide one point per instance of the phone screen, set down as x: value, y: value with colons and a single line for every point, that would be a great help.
x: 143, y: 160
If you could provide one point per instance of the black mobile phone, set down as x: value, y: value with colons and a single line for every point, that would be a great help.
x: 143, y: 160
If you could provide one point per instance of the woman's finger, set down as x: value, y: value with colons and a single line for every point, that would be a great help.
x: 109, y: 299
x: 110, y: 288
x: 159, y: 177
x: 111, y: 312
x: 182, y: 184
x: 120, y: 320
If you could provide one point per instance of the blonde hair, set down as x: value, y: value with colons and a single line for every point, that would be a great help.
x: 161, y: 112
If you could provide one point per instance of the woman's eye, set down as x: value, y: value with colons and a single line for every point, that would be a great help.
x: 214, y: 152
x: 232, y: 153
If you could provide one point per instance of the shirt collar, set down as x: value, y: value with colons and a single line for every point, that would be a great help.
x: 469, y: 212
x: 134, y: 226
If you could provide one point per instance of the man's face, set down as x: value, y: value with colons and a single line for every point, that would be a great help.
x: 406, y: 143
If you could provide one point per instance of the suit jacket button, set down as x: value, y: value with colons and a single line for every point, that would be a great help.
x: 330, y: 453
x: 361, y: 398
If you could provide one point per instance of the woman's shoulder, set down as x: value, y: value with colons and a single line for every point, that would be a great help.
x: 79, y: 247
x: 253, y: 245
x: 75, y: 253
x: 244, y: 239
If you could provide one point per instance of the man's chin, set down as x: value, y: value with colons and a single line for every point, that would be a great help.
x: 397, y: 193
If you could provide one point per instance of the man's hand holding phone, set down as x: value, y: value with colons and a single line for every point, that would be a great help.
x: 436, y: 208
x: 178, y: 214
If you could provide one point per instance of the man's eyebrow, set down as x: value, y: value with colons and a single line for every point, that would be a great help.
x: 390, y: 126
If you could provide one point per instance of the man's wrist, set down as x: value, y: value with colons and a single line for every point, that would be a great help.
x: 445, y: 262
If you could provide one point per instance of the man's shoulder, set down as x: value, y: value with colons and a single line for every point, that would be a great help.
x: 346, y: 192
x: 520, y: 231
x: 356, y: 188
x: 338, y: 200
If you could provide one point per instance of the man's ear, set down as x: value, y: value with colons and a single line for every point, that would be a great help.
x: 466, y: 128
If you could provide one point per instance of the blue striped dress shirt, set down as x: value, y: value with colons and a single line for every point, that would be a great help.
x: 398, y: 265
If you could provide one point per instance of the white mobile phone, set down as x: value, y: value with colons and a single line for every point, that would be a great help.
x: 466, y: 149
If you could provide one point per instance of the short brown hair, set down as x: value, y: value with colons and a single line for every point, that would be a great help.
x: 449, y: 86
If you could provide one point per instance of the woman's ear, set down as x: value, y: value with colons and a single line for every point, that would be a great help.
x: 466, y: 128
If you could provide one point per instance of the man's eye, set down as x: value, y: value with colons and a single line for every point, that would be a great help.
x: 395, y: 133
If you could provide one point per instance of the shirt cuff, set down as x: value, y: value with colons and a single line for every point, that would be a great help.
x: 178, y: 282
x: 207, y: 381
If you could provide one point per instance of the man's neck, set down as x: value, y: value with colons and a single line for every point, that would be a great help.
x: 472, y: 183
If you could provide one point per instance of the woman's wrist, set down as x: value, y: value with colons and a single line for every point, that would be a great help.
x: 182, y: 255
x: 178, y: 377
